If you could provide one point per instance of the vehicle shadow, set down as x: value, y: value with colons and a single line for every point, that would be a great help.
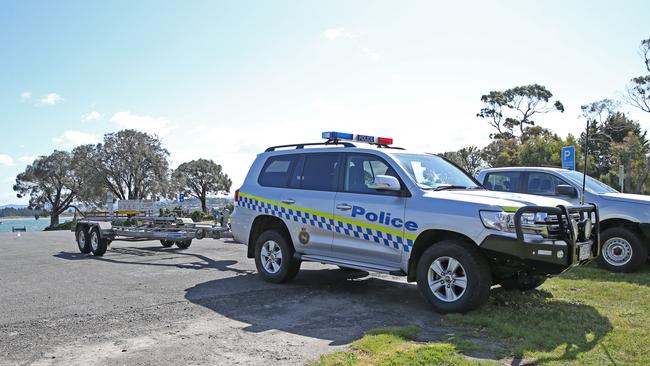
x: 534, y: 323
x: 331, y: 305
x: 594, y: 273
x: 157, y: 257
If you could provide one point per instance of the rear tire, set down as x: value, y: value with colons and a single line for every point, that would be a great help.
x: 184, y: 244
x: 622, y: 250
x: 167, y: 243
x: 454, y: 277
x: 274, y: 257
x: 525, y: 283
x: 97, y: 245
x: 83, y: 240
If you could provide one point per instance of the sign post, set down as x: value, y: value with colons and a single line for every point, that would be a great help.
x: 569, y: 157
x: 181, y: 199
x: 621, y: 176
x: 109, y: 202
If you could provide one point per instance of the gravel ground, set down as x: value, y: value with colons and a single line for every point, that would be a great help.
x: 142, y: 304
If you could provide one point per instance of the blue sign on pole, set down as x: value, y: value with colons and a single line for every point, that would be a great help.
x: 569, y: 157
x: 181, y: 197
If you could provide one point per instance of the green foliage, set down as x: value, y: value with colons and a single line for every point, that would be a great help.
x: 468, y: 158
x: 515, y: 108
x: 68, y: 225
x: 197, y: 216
x: 51, y: 183
x: 129, y: 163
x: 200, y: 178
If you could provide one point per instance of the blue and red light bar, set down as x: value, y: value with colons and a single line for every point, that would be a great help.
x: 332, y: 135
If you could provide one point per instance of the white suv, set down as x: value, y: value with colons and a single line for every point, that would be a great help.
x: 356, y: 202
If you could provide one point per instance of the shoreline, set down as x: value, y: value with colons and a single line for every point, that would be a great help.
x: 3, y: 218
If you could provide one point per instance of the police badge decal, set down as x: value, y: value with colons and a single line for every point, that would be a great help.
x: 303, y: 236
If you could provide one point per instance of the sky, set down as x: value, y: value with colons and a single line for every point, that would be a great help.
x: 223, y: 80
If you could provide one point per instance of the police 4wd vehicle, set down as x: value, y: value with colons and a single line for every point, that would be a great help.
x: 358, y: 203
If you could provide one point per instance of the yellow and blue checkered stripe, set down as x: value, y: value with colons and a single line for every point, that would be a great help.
x: 342, y: 225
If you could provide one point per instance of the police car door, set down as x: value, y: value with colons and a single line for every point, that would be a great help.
x: 314, y: 183
x: 371, y: 222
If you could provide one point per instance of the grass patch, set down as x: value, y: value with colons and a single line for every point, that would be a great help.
x: 586, y: 317
x: 395, y: 346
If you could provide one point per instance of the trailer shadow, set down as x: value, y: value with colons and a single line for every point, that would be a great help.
x: 332, y: 305
x: 157, y: 257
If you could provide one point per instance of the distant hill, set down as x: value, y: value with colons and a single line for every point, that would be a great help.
x: 13, y: 206
x: 20, y: 211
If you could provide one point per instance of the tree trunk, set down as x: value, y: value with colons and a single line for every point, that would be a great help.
x: 204, y: 206
x: 54, y: 219
x: 643, y: 177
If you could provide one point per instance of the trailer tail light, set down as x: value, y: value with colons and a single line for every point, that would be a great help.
x: 236, y: 195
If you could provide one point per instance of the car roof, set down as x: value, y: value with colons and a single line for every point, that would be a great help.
x: 524, y: 168
x: 343, y: 146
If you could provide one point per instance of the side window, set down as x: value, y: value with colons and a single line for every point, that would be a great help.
x: 320, y: 172
x: 360, y: 172
x: 503, y: 181
x: 276, y: 171
x: 542, y: 184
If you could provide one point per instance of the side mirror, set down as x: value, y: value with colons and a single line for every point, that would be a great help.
x: 566, y: 190
x: 386, y: 182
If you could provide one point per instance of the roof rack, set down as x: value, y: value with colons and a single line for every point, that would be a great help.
x: 302, y: 146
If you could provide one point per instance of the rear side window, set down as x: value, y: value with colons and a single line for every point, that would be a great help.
x: 503, y: 181
x: 276, y: 171
x: 320, y: 172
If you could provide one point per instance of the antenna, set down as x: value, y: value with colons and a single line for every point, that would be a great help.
x: 584, y: 169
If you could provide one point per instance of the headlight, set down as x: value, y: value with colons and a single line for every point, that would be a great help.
x: 531, y: 223
x: 498, y: 220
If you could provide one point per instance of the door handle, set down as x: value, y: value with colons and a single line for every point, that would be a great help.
x: 288, y: 201
x: 343, y: 207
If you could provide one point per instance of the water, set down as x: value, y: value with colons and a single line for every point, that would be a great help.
x: 30, y: 223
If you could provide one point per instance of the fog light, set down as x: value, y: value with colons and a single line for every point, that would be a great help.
x: 560, y: 254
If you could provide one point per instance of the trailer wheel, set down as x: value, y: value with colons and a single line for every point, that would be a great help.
x: 166, y: 243
x: 83, y: 241
x: 97, y: 245
x: 184, y: 244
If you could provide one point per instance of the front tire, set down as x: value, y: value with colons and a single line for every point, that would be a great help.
x: 622, y: 250
x: 83, y: 240
x: 97, y: 245
x: 274, y: 257
x: 454, y: 277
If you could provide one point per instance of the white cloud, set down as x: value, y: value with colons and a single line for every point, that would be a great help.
x: 154, y: 125
x: 51, y: 99
x: 91, y: 116
x: 6, y: 160
x: 334, y: 33
x: 373, y: 55
x: 71, y: 139
x: 26, y: 95
x: 27, y: 159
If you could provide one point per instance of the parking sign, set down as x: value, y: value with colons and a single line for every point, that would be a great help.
x: 181, y: 197
x: 569, y: 157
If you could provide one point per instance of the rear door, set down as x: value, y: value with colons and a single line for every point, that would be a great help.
x: 370, y: 222
x: 310, y: 202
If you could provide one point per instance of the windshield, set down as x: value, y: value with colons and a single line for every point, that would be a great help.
x: 434, y: 172
x: 591, y: 185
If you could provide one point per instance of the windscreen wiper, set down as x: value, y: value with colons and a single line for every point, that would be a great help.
x: 451, y: 186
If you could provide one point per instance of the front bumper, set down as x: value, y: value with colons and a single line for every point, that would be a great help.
x: 570, y: 245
